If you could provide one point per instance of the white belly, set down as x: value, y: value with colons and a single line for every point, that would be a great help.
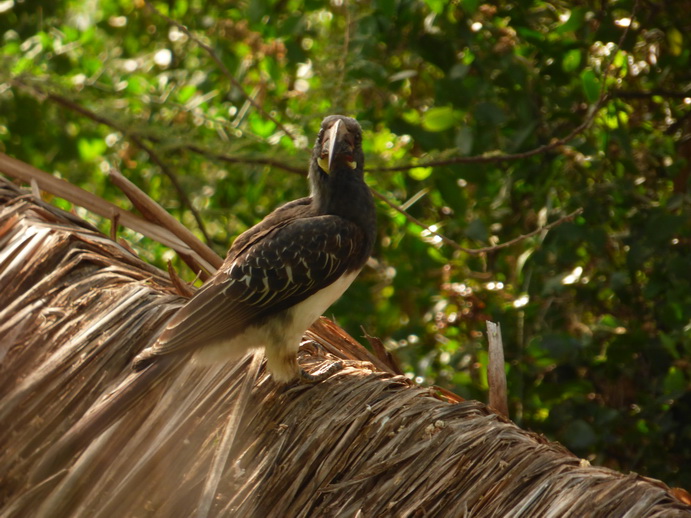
x: 305, y: 313
x: 280, y: 336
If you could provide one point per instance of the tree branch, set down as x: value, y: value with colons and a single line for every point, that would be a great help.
x: 176, y: 184
x: 244, y: 160
x: 661, y: 92
x: 544, y: 228
x: 476, y: 251
x: 494, y: 157
x: 138, y: 139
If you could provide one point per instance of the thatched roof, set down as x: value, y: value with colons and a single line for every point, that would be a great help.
x: 76, y: 307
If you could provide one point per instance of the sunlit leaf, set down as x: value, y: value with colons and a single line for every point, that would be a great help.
x: 571, y: 60
x: 574, y: 21
x: 420, y: 173
x: 675, y: 40
x: 437, y: 6
x: 91, y: 149
x: 439, y: 119
x: 185, y: 93
x: 262, y: 127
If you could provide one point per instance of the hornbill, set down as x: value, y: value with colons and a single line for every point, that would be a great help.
x: 278, y: 278
x: 282, y: 274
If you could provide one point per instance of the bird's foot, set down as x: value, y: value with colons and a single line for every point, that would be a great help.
x: 306, y: 377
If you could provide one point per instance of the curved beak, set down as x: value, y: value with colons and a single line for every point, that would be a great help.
x: 336, y: 141
x: 337, y: 147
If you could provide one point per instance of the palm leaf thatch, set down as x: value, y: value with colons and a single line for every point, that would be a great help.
x: 76, y: 307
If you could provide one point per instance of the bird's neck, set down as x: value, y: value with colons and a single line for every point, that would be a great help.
x: 344, y: 193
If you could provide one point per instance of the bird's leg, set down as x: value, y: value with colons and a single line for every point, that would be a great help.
x: 306, y: 377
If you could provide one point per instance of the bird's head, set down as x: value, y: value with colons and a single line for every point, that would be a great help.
x: 338, y: 147
x: 336, y: 175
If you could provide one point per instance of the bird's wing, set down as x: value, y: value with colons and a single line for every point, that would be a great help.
x: 283, y: 267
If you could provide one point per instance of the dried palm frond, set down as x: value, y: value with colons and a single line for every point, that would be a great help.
x: 76, y: 307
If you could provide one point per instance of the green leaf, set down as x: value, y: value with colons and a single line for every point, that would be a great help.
x: 263, y: 128
x: 530, y: 35
x: 571, y: 60
x: 436, y: 6
x: 10, y: 48
x: 575, y: 21
x: 675, y: 382
x: 411, y: 116
x: 420, y: 173
x: 91, y: 149
x: 675, y: 40
x: 180, y: 8
x: 439, y: 119
x: 590, y: 85
x: 186, y: 93
x: 470, y: 6
x: 436, y: 255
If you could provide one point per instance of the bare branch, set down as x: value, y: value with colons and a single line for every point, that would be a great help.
x: 244, y: 160
x: 494, y: 157
x: 186, y: 202
x: 114, y: 225
x: 660, y: 92
x: 476, y: 251
x: 544, y: 228
x: 182, y: 194
x: 138, y: 139
x: 419, y: 223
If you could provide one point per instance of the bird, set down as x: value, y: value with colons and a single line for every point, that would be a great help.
x: 277, y: 279
x: 281, y: 275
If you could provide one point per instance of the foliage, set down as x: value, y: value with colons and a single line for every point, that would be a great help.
x: 595, y: 314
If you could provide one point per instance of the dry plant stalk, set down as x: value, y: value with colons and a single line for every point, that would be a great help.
x: 63, y: 189
x: 496, y: 377
x: 76, y: 307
